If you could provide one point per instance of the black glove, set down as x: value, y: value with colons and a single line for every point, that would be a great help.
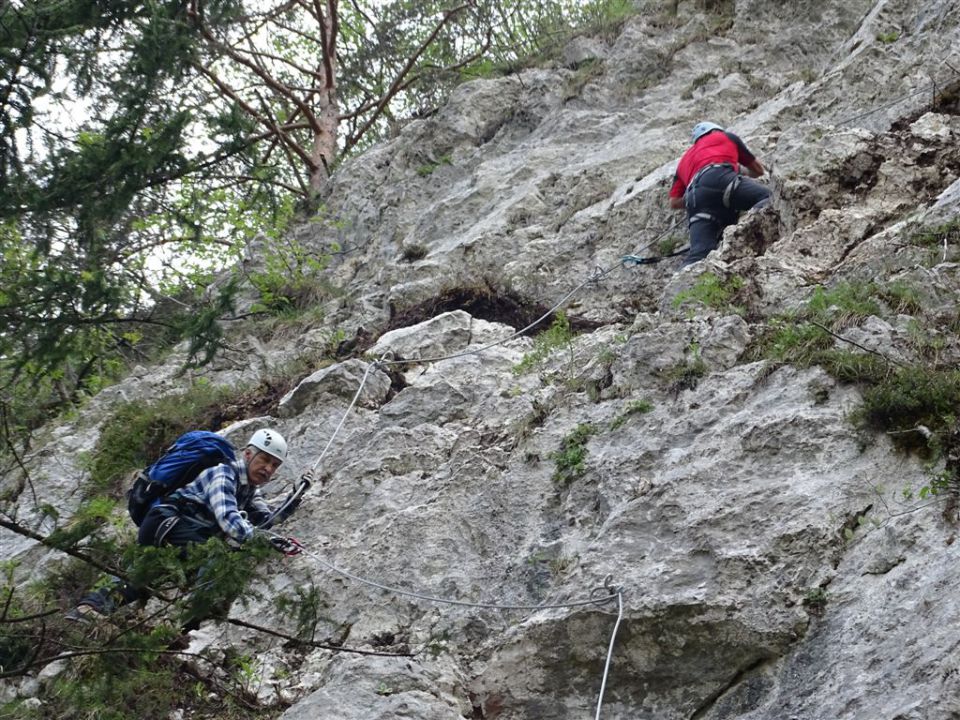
x: 306, y: 480
x: 288, y: 546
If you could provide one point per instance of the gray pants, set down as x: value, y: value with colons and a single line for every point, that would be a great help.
x: 714, y: 200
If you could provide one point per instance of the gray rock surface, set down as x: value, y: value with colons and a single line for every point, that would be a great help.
x: 770, y: 565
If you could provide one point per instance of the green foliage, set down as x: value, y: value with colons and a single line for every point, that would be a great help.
x: 848, y: 366
x: 686, y: 374
x: 844, y: 305
x: 89, y: 517
x: 947, y: 232
x: 803, y: 338
x: 306, y: 607
x: 890, y: 36
x: 815, y: 600
x: 668, y: 244
x: 558, y: 335
x: 222, y: 576
x: 138, y: 432
x: 916, y: 403
x: 73, y: 271
x: 205, y: 580
x: 570, y: 459
x: 533, y: 32
x: 711, y: 291
x: 910, y: 397
x: 929, y: 342
x: 636, y: 407
x: 15, y: 646
x: 118, y: 686
x: 428, y: 168
x: 202, y: 327
x: 134, y: 675
x: 938, y: 483
x: 901, y: 298
x: 291, y: 279
x: 796, y: 342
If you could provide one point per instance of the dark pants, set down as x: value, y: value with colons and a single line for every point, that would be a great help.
x: 714, y: 199
x: 163, y: 525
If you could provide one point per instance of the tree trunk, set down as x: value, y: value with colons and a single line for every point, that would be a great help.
x: 324, y: 149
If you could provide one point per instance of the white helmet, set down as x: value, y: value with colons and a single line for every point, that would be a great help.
x: 270, y: 442
x: 701, y: 129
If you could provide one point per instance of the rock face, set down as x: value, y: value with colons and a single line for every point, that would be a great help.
x: 768, y: 565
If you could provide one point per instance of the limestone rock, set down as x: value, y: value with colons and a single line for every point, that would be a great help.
x: 445, y: 334
x: 341, y: 380
x: 775, y: 559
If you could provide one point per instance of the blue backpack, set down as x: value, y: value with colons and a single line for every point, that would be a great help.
x: 190, y: 454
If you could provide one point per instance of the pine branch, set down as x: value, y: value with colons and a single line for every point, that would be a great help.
x: 398, y: 82
x: 312, y: 643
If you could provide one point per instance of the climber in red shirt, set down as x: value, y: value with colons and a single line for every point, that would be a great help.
x: 709, y: 184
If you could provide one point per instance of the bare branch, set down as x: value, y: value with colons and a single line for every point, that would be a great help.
x: 232, y: 180
x: 82, y: 653
x: 312, y: 643
x: 4, y: 418
x: 269, y: 123
x: 855, y: 344
x: 271, y: 82
x: 328, y: 38
x: 264, y: 18
x: 401, y: 81
x: 362, y: 13
x: 26, y: 532
x: 286, y: 61
x: 26, y: 618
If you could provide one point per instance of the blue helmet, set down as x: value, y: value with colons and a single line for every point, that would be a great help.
x: 701, y: 129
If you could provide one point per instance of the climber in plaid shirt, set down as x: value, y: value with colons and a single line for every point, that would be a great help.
x: 223, y: 501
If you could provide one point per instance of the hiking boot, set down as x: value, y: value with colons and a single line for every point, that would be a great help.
x: 84, y: 614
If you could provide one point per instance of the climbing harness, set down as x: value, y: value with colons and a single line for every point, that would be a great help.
x: 730, y: 189
x: 698, y: 195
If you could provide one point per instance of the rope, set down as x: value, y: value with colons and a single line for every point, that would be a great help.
x: 613, y: 638
x: 446, y: 601
x: 934, y: 84
x: 616, y: 594
x: 637, y: 260
x: 654, y: 239
x: 878, y: 108
x: 597, y: 275
x: 353, y: 402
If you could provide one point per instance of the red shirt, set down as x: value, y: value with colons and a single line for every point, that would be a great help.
x: 713, y: 148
